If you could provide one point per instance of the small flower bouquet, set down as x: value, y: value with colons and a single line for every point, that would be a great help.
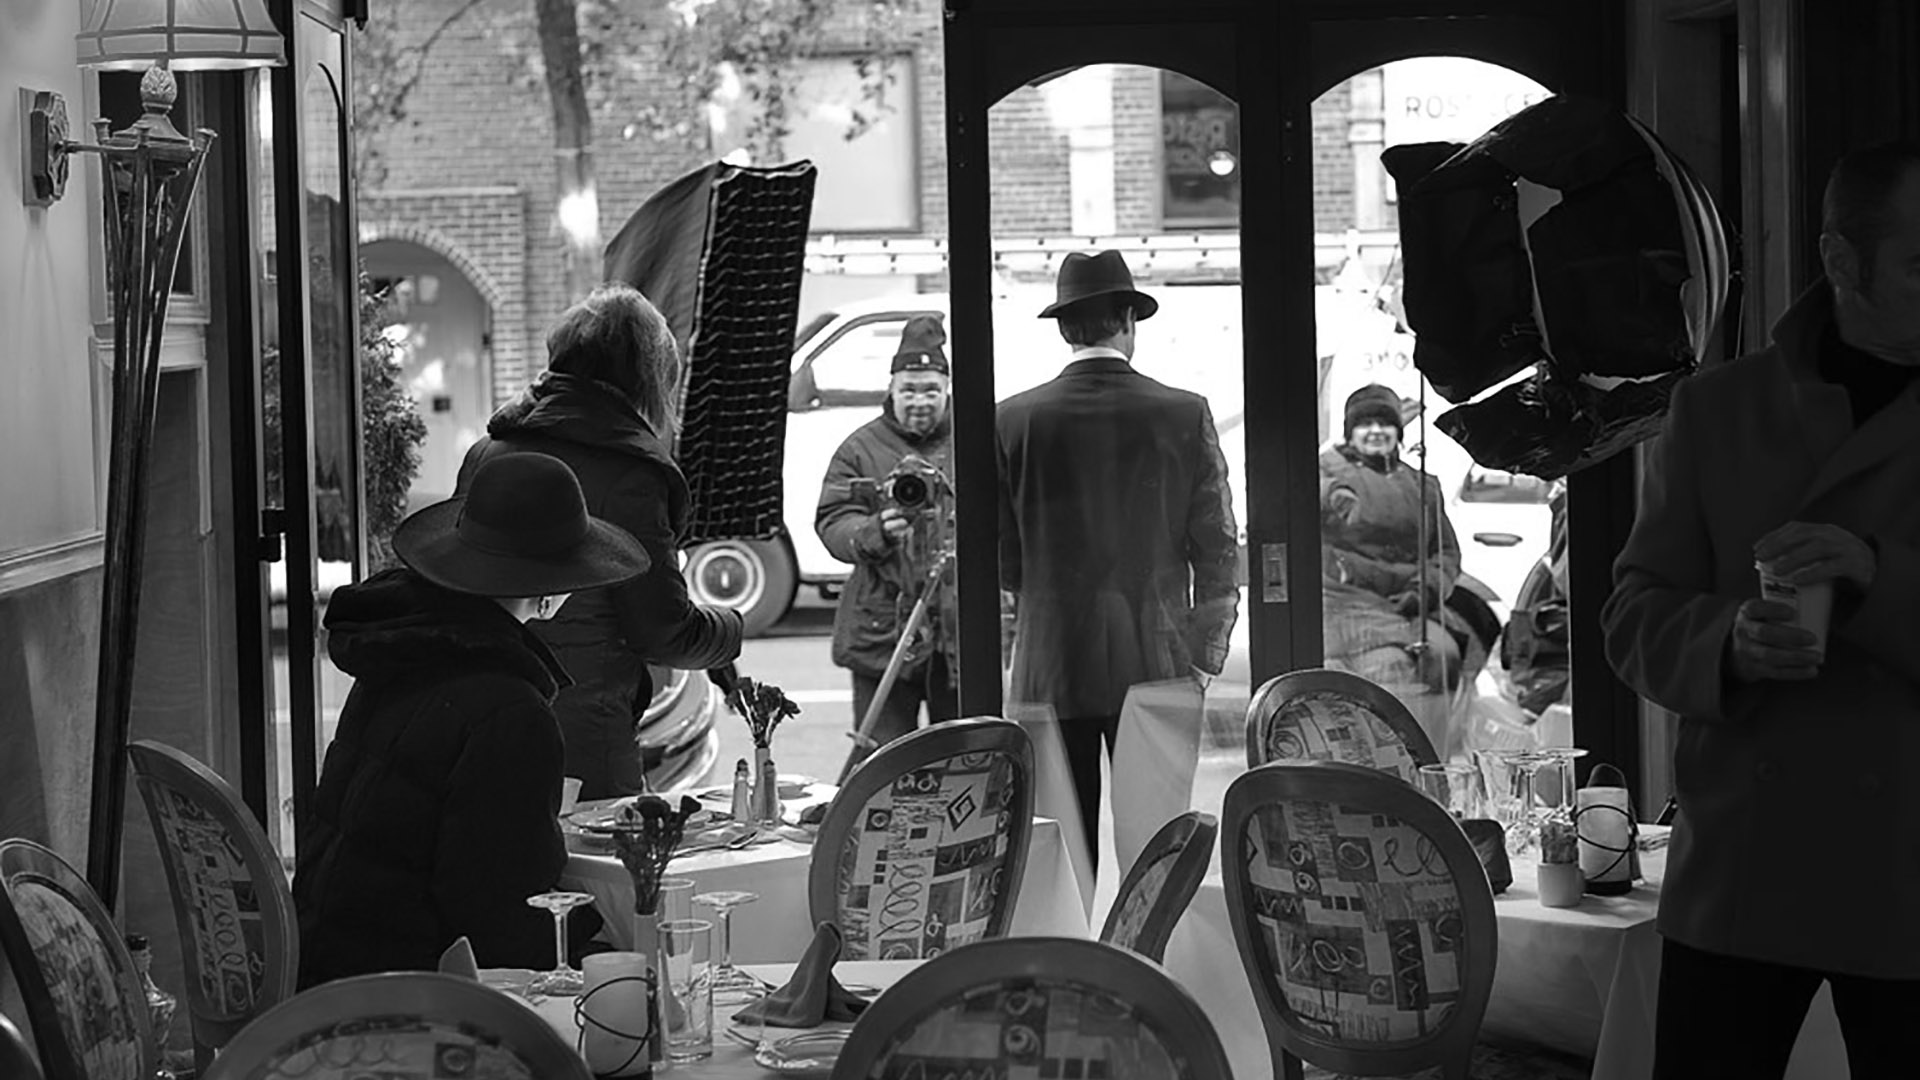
x: 644, y: 836
x: 1559, y: 841
x: 763, y: 706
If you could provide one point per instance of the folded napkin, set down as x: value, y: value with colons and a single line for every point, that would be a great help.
x: 458, y: 960
x: 813, y: 996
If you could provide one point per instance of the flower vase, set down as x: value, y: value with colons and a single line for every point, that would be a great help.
x: 646, y: 942
x: 766, y: 791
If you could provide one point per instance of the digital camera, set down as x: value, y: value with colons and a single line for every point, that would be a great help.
x: 915, y: 486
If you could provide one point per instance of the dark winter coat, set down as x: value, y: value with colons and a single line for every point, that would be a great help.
x: 435, y: 813
x: 1117, y: 537
x: 605, y: 637
x: 872, y: 613
x: 1370, y: 550
x: 1798, y: 836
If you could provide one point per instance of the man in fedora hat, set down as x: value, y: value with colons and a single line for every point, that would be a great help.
x: 1117, y: 534
x: 891, y: 548
x: 435, y: 813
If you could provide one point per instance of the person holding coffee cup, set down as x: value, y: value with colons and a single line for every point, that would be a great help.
x: 1797, y: 686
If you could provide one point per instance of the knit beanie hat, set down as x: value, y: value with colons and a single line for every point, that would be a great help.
x: 920, y: 346
x: 1374, y: 402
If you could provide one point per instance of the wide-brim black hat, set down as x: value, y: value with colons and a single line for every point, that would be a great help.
x: 1083, y: 277
x: 522, y: 529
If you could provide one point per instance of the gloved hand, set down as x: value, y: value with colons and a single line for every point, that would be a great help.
x: 724, y: 678
x: 1342, y: 504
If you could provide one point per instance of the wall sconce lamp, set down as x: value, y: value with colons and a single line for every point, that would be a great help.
x: 151, y: 172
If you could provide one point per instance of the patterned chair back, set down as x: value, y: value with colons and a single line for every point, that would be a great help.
x: 1318, y: 714
x: 1362, y: 916
x: 238, y: 931
x: 1160, y: 884
x: 1033, y: 1007
x: 83, y: 999
x: 926, y: 842
x: 399, y: 1024
x: 16, y: 1060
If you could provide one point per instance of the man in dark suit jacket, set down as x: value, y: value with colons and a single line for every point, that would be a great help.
x: 1117, y: 535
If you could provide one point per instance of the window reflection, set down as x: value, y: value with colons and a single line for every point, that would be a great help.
x: 1427, y: 557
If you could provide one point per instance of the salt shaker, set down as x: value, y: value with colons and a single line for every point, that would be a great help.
x: 742, y: 791
x: 768, y: 795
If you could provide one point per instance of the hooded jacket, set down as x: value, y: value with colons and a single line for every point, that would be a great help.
x: 436, y: 811
x: 871, y: 613
x: 606, y: 637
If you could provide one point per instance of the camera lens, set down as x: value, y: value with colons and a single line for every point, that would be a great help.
x: 910, y: 491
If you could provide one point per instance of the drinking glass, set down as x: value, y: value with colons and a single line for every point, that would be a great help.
x: 1455, y: 786
x: 731, y: 986
x: 1509, y: 778
x: 686, y: 946
x: 564, y: 980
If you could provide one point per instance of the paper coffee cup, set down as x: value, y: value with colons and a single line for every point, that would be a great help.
x: 1812, y: 604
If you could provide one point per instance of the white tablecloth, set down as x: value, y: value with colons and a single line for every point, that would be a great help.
x: 730, y: 1060
x: 1583, y: 979
x: 777, y: 927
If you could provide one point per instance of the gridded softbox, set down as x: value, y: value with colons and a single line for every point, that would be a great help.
x: 720, y: 252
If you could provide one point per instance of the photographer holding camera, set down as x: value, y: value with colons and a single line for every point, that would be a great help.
x: 884, y: 508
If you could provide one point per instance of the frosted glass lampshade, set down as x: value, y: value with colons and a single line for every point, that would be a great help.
x: 185, y: 35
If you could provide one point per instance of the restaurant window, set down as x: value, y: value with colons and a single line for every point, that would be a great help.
x: 1200, y: 154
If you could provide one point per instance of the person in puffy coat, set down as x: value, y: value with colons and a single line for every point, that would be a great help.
x: 1379, y: 585
x: 891, y: 550
x: 436, y: 812
x: 604, y: 406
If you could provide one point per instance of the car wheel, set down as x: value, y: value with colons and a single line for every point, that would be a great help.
x: 757, y: 578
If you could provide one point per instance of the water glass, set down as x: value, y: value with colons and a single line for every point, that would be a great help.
x: 676, y: 898
x: 1455, y: 786
x: 686, y: 1003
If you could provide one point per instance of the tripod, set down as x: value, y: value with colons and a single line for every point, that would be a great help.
x: 863, y: 741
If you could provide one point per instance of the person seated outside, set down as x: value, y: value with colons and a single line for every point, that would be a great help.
x: 1383, y: 593
x: 605, y: 407
x: 436, y: 815
x: 893, y: 550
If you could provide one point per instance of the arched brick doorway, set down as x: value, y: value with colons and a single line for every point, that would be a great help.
x: 442, y: 330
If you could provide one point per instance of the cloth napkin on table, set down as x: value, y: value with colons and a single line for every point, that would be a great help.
x: 813, y: 996
x: 458, y: 960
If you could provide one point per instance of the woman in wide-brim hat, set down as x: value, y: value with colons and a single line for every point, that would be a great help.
x: 435, y: 816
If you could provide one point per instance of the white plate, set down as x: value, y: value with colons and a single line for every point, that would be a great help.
x: 807, y: 1053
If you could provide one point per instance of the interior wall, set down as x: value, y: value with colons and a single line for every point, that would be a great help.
x: 49, y: 555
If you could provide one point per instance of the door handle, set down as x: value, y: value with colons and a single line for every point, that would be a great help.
x: 1496, y: 539
x: 273, y: 528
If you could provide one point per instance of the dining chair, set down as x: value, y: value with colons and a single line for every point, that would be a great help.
x: 399, y: 1024
x: 16, y: 1058
x: 239, y: 934
x: 1320, y: 714
x: 83, y: 998
x: 1362, y: 917
x: 924, y: 846
x: 1160, y: 884
x: 1035, y: 1006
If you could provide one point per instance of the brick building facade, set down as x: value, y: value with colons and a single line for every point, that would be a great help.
x: 469, y: 172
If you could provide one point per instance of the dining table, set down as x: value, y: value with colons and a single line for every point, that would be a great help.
x: 732, y: 1059
x: 1583, y: 980
x: 774, y: 866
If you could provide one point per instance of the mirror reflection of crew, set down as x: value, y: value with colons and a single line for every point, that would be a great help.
x: 1383, y: 593
x: 890, y: 549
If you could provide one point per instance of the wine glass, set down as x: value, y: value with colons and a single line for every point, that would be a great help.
x: 731, y: 986
x: 564, y: 980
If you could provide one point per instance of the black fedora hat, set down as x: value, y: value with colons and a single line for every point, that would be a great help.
x: 1083, y: 277
x: 521, y: 530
